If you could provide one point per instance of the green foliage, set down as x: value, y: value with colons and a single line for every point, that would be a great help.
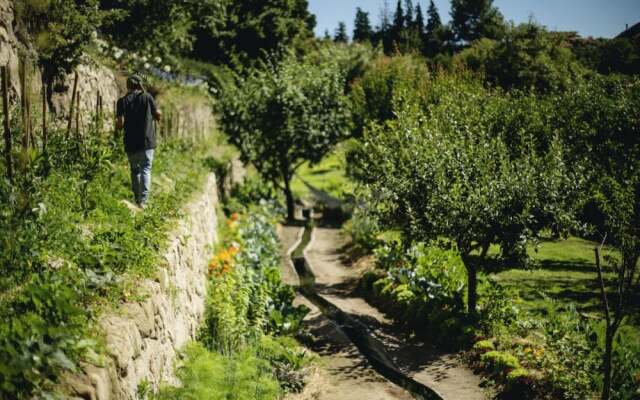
x: 341, y: 36
x: 287, y: 360
x: 285, y: 114
x: 448, y: 173
x: 423, y: 287
x: 362, y: 31
x: 527, y: 57
x: 373, y: 95
x: 484, y: 346
x: 473, y: 19
x: 68, y: 243
x: 251, y: 30
x: 608, y: 56
x: 43, y: 333
x: 497, y: 309
x: 569, y: 359
x: 59, y: 30
x: 499, y: 362
x: 246, y: 295
x: 209, y: 376
x: 363, y: 229
x: 155, y: 27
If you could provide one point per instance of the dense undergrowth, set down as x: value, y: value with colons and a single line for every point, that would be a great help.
x: 245, y: 348
x: 70, y: 247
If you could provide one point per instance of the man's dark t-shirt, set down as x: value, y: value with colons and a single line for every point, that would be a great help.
x: 138, y: 109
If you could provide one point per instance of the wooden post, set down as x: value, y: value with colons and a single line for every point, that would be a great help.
x: 97, y: 116
x: 115, y: 119
x: 32, y: 139
x: 73, y: 101
x: 7, y: 130
x: 23, y: 104
x: 44, y: 117
x: 178, y: 124
x: 78, y: 115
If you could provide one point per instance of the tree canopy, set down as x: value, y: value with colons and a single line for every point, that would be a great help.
x: 475, y: 19
x: 285, y: 114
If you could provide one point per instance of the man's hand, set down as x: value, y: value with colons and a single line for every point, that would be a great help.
x: 119, y: 123
x: 157, y: 115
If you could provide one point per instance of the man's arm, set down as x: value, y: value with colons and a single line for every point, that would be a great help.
x: 119, y: 123
x: 119, y: 115
x: 155, y: 111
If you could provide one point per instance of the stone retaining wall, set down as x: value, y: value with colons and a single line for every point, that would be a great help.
x: 143, y: 337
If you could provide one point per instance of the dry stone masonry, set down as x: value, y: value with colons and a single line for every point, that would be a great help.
x: 142, y: 338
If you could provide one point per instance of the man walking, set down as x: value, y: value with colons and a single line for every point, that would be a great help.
x: 136, y: 112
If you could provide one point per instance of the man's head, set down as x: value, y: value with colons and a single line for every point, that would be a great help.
x: 134, y: 82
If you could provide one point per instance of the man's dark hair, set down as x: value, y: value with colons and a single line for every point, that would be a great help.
x: 134, y: 82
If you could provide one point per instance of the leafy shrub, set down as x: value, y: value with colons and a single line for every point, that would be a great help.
x: 287, y: 360
x: 625, y: 382
x: 252, y: 190
x: 363, y: 230
x: 484, y: 346
x: 43, y: 333
x: 498, y: 309
x: 208, y: 375
x: 247, y: 296
x: 423, y: 287
x: 500, y: 363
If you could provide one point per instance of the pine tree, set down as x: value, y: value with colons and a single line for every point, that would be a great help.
x: 398, y: 25
x: 408, y: 13
x: 327, y: 35
x: 383, y: 32
x: 433, y: 18
x: 475, y: 19
x: 362, y: 31
x: 436, y: 34
x: 341, y: 33
x: 419, y: 20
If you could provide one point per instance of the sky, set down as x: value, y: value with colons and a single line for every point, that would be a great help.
x: 597, y: 18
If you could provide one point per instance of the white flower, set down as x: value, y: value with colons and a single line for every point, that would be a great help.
x: 134, y: 56
x: 117, y: 54
x: 157, y: 60
x: 144, y: 59
x: 167, y: 68
x: 147, y: 65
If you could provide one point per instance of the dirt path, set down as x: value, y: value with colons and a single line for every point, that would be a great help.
x: 335, y: 281
x: 289, y: 238
x: 343, y: 373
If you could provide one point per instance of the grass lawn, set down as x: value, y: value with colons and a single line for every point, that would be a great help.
x: 328, y: 175
x: 564, y: 271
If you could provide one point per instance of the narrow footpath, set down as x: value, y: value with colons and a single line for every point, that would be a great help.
x: 336, y: 282
x: 344, y: 372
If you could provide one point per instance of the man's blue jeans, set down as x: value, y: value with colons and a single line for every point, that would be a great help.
x: 141, y: 163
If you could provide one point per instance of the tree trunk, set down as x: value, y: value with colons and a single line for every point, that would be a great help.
x: 291, y: 208
x: 472, y: 285
x: 608, y: 350
x: 472, y: 289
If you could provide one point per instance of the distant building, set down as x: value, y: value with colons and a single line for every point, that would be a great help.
x: 631, y: 33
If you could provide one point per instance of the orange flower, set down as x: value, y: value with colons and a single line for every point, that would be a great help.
x: 234, y: 217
